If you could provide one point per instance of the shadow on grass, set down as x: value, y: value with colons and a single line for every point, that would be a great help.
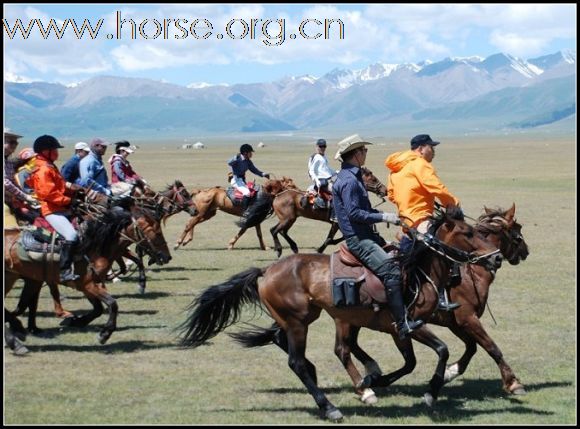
x: 450, y: 408
x: 156, y: 270
x: 468, y: 390
x: 225, y: 247
x: 109, y: 348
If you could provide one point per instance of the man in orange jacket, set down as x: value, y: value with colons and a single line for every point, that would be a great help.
x: 413, y: 186
x: 51, y: 190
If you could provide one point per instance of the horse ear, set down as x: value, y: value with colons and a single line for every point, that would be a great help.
x: 509, y: 215
x: 486, y: 210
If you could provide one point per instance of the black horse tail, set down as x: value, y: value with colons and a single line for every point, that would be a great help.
x: 219, y: 306
x: 257, y: 336
x: 258, y: 211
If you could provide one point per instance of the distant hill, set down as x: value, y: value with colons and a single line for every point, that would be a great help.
x: 498, y: 91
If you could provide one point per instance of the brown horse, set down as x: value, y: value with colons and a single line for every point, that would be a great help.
x: 296, y: 289
x: 103, y: 241
x: 504, y: 232
x: 209, y: 201
x: 288, y: 207
x: 173, y: 199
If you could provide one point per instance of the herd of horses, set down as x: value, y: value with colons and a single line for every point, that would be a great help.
x: 294, y: 290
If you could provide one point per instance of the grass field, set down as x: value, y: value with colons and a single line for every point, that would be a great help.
x: 141, y: 377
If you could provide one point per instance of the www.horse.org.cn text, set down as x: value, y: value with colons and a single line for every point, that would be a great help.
x: 271, y: 32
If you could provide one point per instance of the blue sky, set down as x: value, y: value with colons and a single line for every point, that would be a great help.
x: 388, y: 33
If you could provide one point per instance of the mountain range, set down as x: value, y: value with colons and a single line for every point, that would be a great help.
x: 497, y: 92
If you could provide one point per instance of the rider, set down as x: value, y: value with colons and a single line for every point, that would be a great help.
x: 122, y: 173
x: 320, y: 173
x: 71, y: 169
x: 93, y: 174
x: 239, y: 165
x: 50, y: 188
x: 356, y: 218
x: 14, y: 196
x: 413, y: 186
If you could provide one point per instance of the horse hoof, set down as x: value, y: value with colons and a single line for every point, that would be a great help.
x: 429, y: 400
x: 141, y: 290
x: 334, y: 415
x: 176, y: 247
x: 103, y: 337
x: 20, y: 349
x: 368, y: 397
x: 517, y: 389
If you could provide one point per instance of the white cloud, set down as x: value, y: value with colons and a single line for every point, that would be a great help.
x: 378, y: 32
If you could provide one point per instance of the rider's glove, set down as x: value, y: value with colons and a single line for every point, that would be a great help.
x: 391, y: 218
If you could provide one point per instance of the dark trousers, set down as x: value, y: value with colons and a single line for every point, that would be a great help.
x: 372, y: 255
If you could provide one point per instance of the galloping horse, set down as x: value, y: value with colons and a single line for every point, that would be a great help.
x: 103, y: 241
x: 209, y: 201
x: 173, y: 199
x: 502, y: 230
x: 296, y: 289
x: 287, y: 206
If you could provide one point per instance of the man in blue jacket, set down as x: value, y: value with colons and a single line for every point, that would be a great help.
x: 71, y: 169
x: 93, y: 173
x: 356, y: 219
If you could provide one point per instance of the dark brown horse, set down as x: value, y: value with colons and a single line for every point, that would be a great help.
x: 297, y: 288
x: 505, y: 233
x: 288, y: 207
x: 103, y: 241
x: 209, y: 201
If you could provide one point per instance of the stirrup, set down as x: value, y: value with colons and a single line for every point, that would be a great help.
x: 68, y: 275
x: 444, y: 304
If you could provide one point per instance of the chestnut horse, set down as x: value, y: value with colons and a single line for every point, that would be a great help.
x: 287, y: 206
x: 296, y: 289
x: 209, y: 201
x: 504, y: 232
x: 103, y: 241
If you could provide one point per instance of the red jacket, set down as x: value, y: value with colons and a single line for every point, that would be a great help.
x: 49, y: 187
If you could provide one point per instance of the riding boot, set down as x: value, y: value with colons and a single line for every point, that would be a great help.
x: 397, y: 307
x: 66, y: 262
x: 245, y: 205
x: 444, y: 303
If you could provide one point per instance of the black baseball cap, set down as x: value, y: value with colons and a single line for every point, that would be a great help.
x: 422, y: 139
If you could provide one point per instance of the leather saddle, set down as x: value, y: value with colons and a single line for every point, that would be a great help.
x: 236, y: 196
x: 348, y: 271
x: 39, y: 244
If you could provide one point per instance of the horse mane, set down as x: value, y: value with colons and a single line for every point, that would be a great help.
x: 492, y: 221
x: 100, y: 234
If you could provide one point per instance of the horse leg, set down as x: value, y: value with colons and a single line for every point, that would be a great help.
x: 85, y: 319
x: 329, y: 237
x: 29, y: 300
x: 260, y: 238
x: 405, y: 347
x: 342, y: 349
x: 470, y: 332
x: 277, y: 245
x: 284, y: 232
x: 111, y: 325
x: 138, y: 260
x: 236, y: 238
x: 427, y: 337
x: 296, y: 334
x: 187, y: 234
x: 59, y: 310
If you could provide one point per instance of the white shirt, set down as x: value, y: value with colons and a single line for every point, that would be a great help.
x: 318, y: 168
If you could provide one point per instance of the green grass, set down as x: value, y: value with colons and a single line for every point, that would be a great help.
x: 141, y: 377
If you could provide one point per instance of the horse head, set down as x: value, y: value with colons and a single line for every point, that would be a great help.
x: 372, y: 183
x: 503, y: 225
x: 177, y: 199
x: 147, y: 234
x: 462, y: 242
